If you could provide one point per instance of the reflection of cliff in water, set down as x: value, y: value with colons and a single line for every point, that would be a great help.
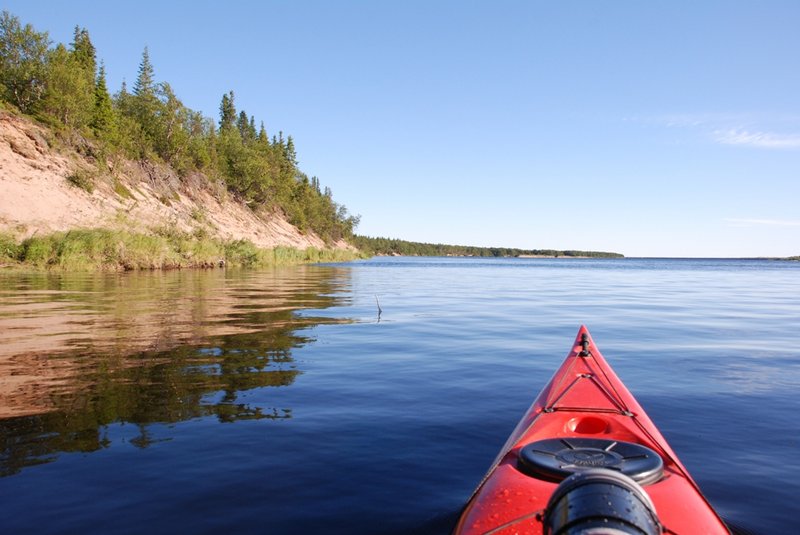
x: 158, y: 348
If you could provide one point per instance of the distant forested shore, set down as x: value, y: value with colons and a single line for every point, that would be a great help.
x: 389, y: 246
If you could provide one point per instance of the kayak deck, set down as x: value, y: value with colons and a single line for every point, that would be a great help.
x: 584, y: 418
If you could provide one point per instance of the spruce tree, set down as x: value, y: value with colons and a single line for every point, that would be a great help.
x: 145, y: 84
x: 103, y: 121
x: 227, y: 112
x: 122, y: 100
x: 84, y: 53
x: 242, y: 125
x: 263, y: 138
x: 143, y: 108
x: 291, y: 154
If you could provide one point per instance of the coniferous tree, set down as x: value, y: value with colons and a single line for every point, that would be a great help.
x: 143, y: 108
x: 129, y: 132
x: 242, y: 125
x: 227, y: 112
x: 210, y: 145
x: 145, y: 81
x: 123, y: 90
x: 263, y: 138
x: 84, y: 53
x: 103, y: 121
x: 123, y: 102
x: 200, y: 139
x: 291, y: 154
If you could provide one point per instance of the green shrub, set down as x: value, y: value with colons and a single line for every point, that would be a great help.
x: 39, y: 251
x: 9, y: 248
x: 82, y: 179
x: 245, y: 253
x: 121, y: 190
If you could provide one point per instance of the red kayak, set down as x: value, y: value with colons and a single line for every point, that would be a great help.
x: 586, y: 459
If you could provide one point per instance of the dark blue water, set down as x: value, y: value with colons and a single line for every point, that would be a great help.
x: 280, y: 402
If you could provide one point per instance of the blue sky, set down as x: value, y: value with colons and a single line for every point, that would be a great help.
x: 663, y: 128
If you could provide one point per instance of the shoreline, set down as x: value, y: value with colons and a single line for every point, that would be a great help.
x: 108, y: 250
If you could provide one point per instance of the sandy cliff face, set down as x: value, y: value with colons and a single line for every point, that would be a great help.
x: 37, y: 197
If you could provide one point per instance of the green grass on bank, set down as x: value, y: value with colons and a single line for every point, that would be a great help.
x: 103, y: 249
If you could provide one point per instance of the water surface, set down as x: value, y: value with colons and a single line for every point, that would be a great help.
x: 279, y: 401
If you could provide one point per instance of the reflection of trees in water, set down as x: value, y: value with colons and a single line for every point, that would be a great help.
x: 189, y: 381
x: 122, y: 313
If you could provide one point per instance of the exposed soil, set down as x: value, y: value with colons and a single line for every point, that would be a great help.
x: 38, y: 194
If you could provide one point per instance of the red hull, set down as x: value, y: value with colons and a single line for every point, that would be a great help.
x: 584, y: 400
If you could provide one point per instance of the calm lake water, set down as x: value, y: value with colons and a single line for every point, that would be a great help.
x: 280, y: 402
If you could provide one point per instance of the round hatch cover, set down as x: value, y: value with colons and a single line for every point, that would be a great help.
x: 558, y: 458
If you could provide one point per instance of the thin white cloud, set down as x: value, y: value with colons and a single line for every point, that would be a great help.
x: 765, y: 140
x: 681, y: 120
x: 763, y: 222
x: 690, y: 120
x: 740, y: 129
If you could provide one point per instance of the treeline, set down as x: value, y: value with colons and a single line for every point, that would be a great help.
x: 65, y: 87
x: 388, y: 246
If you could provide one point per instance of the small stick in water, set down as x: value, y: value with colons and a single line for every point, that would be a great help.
x: 379, y: 307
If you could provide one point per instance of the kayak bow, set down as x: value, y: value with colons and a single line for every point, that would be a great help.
x: 586, y: 458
